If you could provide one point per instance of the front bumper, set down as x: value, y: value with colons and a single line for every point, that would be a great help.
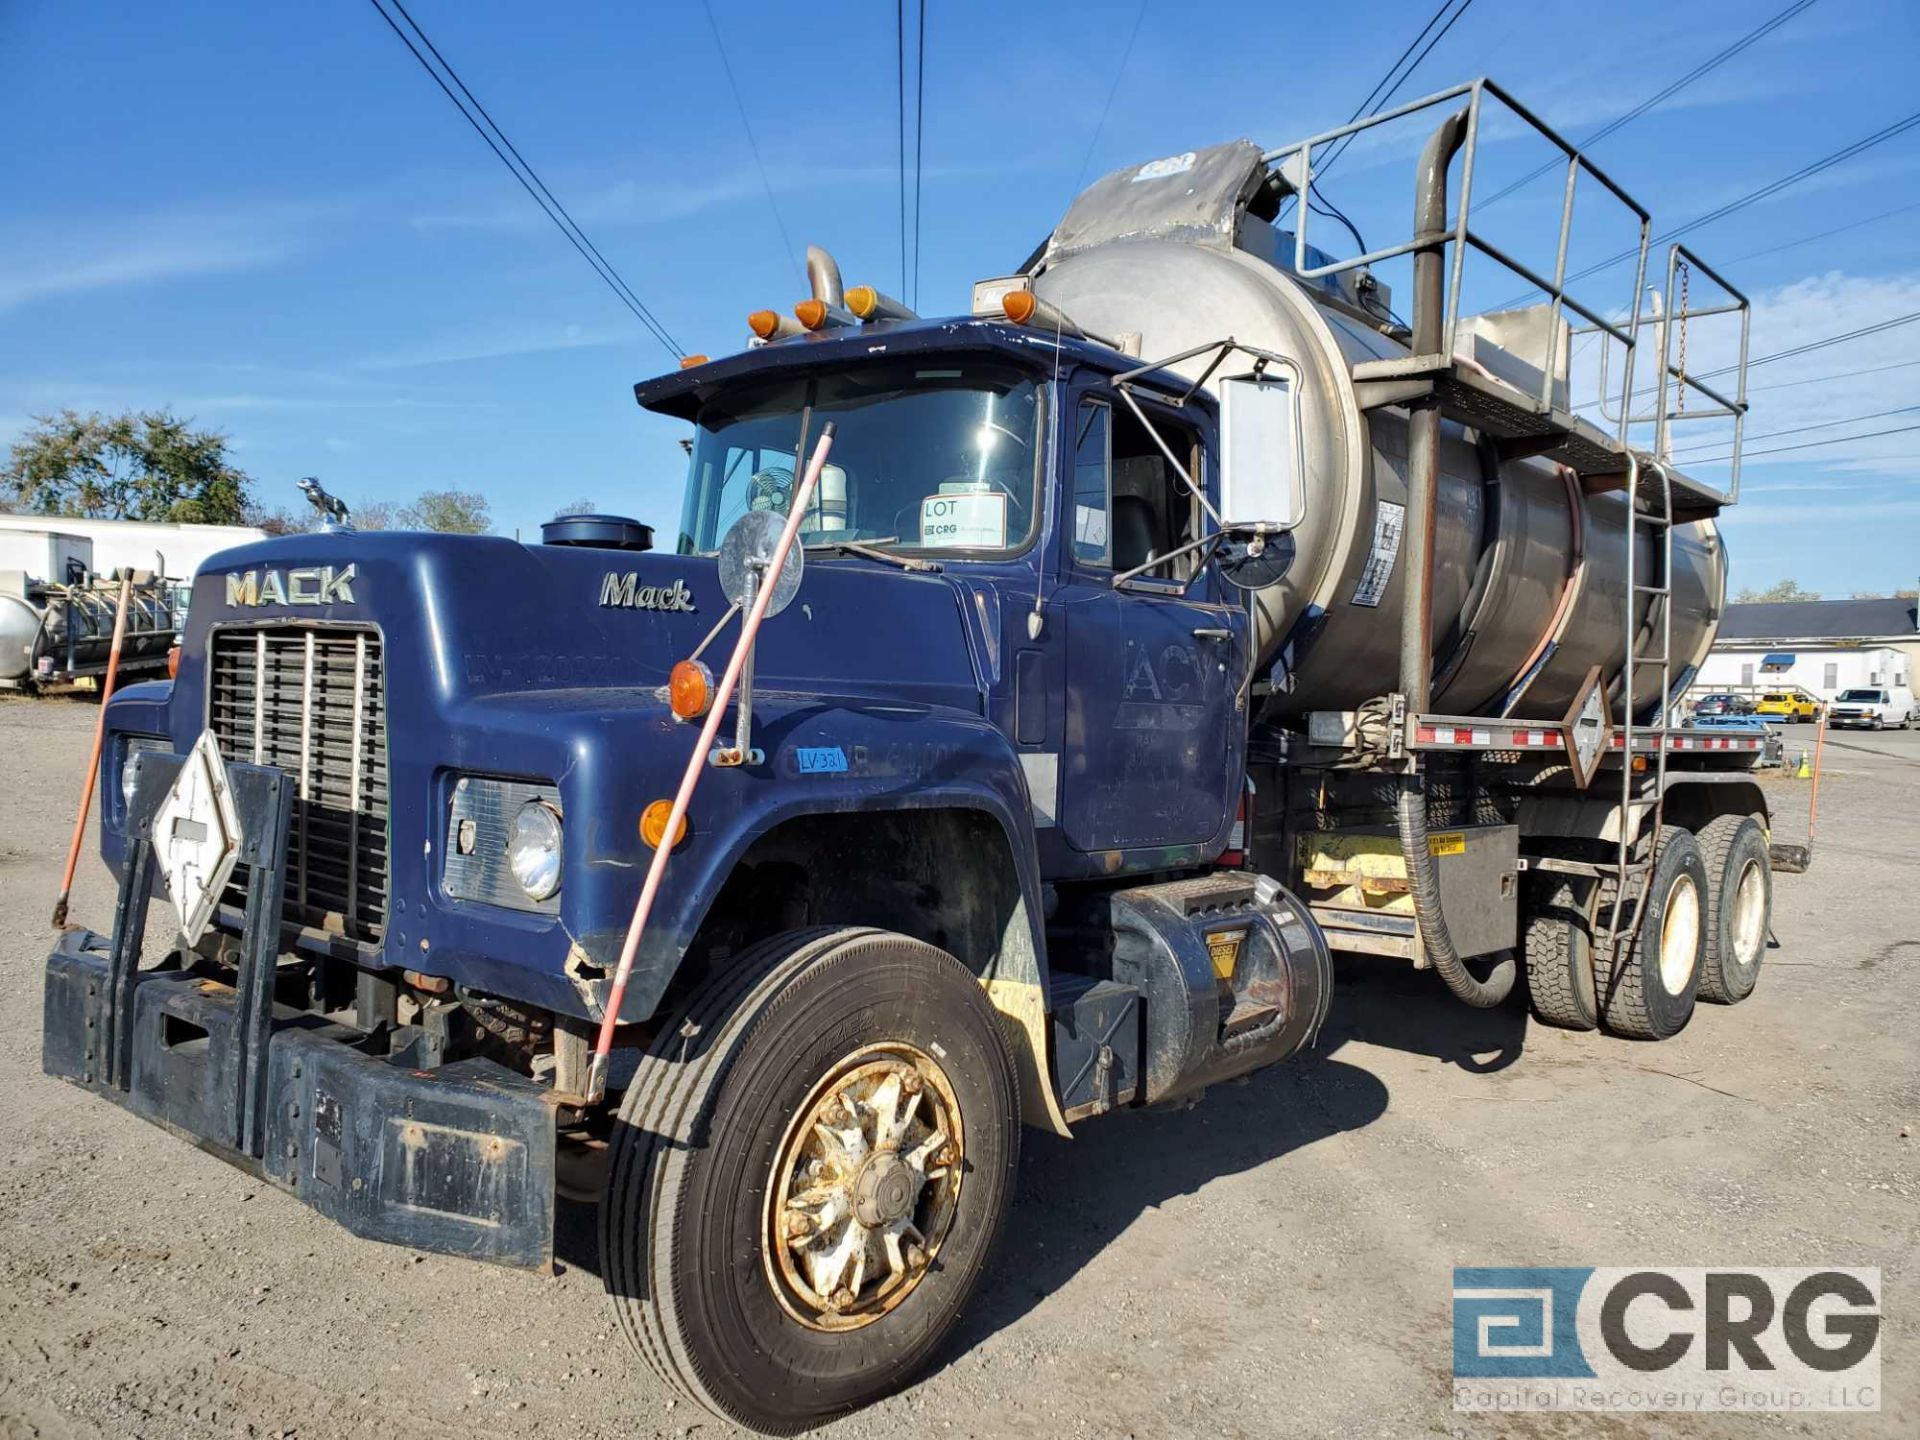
x: 456, y: 1159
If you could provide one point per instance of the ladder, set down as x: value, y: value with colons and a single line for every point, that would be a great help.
x: 1649, y: 506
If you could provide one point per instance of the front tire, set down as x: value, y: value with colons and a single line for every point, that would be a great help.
x: 835, y: 1108
x: 1656, y: 978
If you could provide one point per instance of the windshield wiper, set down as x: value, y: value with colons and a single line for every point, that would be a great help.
x: 866, y: 550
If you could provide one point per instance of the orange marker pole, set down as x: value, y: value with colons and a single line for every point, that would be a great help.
x: 99, y: 739
x: 697, y: 763
x: 1813, y: 799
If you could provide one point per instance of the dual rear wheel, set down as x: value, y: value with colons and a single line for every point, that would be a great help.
x: 1702, y: 927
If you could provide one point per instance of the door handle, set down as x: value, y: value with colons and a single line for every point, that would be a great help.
x: 1209, y: 633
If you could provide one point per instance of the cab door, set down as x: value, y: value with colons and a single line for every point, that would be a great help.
x: 1152, y: 754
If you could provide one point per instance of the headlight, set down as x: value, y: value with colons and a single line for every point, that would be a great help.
x: 533, y: 850
x: 133, y: 746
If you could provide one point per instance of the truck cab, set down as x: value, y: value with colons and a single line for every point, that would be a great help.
x: 997, y: 748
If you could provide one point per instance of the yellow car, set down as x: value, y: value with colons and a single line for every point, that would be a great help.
x: 1791, y: 706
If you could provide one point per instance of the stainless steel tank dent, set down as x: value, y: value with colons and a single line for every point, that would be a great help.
x: 1505, y: 544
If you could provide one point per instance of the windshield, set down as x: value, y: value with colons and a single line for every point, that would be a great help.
x: 929, y: 455
x: 1872, y: 697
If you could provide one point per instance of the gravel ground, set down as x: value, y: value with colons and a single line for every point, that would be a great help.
x: 1274, y: 1261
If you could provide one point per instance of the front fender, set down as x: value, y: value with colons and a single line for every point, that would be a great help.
x: 132, y: 710
x: 823, y: 757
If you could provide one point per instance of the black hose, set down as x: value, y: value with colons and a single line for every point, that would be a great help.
x: 1423, y: 880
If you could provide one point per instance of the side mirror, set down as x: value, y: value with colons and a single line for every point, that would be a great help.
x: 1260, y: 449
x: 1254, y: 556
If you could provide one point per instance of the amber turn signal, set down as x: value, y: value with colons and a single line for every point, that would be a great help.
x: 689, y: 690
x: 173, y: 662
x: 653, y: 824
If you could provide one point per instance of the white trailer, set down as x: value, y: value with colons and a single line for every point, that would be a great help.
x: 174, y: 551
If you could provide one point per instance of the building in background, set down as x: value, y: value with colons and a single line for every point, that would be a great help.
x: 1820, y: 646
x: 172, y: 551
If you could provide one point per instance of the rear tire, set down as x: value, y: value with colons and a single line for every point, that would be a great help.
x: 1739, y: 907
x: 1654, y: 981
x: 723, y: 1195
x: 1558, y: 947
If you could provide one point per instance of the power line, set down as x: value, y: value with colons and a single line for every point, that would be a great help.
x: 1651, y: 101
x: 1806, y: 349
x: 1340, y: 146
x: 1806, y: 172
x: 1799, y: 429
x: 1892, y: 324
x: 528, y: 177
x: 919, y: 140
x: 900, y: 123
x: 1126, y: 54
x: 1808, y: 445
x: 1837, y: 375
x: 786, y: 241
x: 1823, y: 234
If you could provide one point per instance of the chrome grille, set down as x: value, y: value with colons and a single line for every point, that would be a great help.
x: 313, y: 701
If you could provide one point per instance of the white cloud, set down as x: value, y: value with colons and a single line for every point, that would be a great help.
x: 1781, y: 394
x: 44, y: 263
x: 498, y: 344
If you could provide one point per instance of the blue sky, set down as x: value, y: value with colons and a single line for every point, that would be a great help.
x: 268, y: 218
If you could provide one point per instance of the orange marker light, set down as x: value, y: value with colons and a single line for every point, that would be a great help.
x: 653, y: 824
x: 863, y: 300
x: 173, y: 661
x: 689, y: 690
x: 1019, y: 305
x: 687, y: 362
x: 811, y: 313
x: 764, y: 323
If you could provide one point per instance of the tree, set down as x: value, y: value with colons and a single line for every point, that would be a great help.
x: 452, y: 512
x: 149, y: 465
x: 576, y: 507
x: 1779, y: 590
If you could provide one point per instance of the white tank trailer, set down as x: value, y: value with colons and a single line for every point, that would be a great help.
x: 1530, y: 582
x: 60, y: 593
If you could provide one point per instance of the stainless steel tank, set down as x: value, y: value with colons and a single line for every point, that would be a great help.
x: 1191, y: 266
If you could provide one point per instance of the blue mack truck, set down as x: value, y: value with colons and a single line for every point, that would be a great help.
x: 1106, y: 700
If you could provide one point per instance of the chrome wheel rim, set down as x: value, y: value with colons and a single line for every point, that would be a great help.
x: 1749, y: 914
x: 864, y: 1188
x: 1680, y: 935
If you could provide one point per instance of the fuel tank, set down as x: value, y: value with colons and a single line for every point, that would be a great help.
x: 1521, y: 554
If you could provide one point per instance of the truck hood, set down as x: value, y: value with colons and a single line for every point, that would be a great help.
x: 465, y: 617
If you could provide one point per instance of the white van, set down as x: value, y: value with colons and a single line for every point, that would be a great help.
x: 1875, y: 706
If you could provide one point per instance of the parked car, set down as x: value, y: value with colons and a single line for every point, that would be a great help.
x: 1792, y: 706
x: 1719, y: 705
x: 1873, y: 707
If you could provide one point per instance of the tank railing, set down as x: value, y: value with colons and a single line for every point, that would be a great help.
x: 1676, y: 380
x: 1463, y: 237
